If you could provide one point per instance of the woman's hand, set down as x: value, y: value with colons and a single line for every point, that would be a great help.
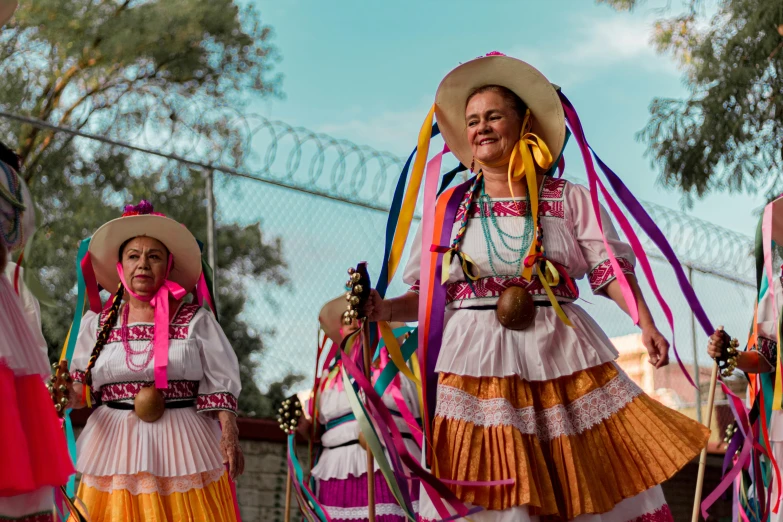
x: 229, y: 444
x: 715, y: 346
x: 75, y: 392
x: 376, y: 308
x: 657, y: 346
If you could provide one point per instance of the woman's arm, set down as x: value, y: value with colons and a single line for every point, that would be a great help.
x: 750, y: 361
x: 404, y: 308
x: 656, y: 344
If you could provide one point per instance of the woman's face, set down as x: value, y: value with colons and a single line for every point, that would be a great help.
x: 493, y: 127
x: 144, y: 263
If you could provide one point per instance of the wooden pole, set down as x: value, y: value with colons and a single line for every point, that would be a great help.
x: 370, y: 460
x: 703, y: 456
x: 288, y: 487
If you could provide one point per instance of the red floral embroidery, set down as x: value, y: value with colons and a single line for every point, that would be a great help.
x: 662, y: 514
x: 415, y: 287
x: 550, y: 204
x: 603, y: 273
x: 553, y: 188
x: 178, y: 329
x: 768, y: 349
x: 120, y: 391
x: 216, y: 401
x: 488, y: 287
x: 77, y: 376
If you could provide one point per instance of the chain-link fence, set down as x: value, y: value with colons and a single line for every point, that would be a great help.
x: 327, y: 201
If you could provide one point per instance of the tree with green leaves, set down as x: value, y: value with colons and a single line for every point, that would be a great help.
x: 171, y: 75
x: 728, y: 133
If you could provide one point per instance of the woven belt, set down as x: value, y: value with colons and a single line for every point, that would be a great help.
x: 115, y: 405
x: 356, y: 441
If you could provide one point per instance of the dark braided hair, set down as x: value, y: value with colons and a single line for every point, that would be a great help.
x: 9, y: 157
x: 103, y: 335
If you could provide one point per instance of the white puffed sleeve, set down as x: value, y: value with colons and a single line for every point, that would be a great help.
x: 31, y: 308
x: 588, y: 234
x: 410, y: 275
x: 88, y: 335
x: 220, y: 385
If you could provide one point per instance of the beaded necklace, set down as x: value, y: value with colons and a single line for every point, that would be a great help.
x: 487, y: 223
x: 130, y: 353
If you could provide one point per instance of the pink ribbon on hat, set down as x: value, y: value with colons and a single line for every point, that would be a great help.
x: 160, y: 335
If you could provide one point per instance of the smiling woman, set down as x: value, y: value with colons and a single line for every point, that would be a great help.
x: 165, y: 378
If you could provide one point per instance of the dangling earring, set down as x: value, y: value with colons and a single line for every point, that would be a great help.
x: 472, y: 165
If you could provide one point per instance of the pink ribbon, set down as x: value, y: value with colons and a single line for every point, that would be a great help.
x: 91, y: 284
x: 160, y: 337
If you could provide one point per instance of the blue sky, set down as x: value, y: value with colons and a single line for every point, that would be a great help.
x: 367, y: 71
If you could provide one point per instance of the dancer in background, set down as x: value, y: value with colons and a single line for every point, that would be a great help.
x: 33, y: 454
x: 340, y: 472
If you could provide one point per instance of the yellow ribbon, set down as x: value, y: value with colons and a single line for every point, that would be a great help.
x: 522, y: 163
x: 411, y: 195
x: 551, y: 277
x: 393, y: 347
x: 469, y: 267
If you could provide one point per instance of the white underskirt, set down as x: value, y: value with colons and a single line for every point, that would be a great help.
x: 117, y: 442
x: 475, y: 344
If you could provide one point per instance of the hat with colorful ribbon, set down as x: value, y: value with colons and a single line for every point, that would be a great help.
x: 524, y: 80
x: 142, y: 220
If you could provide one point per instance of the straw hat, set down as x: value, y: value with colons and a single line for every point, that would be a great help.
x: 521, y: 78
x: 140, y: 220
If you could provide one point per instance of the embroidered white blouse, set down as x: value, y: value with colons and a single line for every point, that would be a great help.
x: 202, y: 367
x: 474, y: 342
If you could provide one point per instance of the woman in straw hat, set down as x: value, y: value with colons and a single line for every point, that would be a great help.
x: 533, y: 419
x: 341, y: 468
x: 33, y: 454
x: 164, y: 375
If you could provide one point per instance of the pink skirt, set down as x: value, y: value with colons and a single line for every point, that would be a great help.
x: 345, y: 500
x: 33, y: 451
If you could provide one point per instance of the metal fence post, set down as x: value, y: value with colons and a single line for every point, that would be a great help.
x: 694, y: 343
x: 211, y: 237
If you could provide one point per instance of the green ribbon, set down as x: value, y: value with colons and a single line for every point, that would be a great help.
x: 373, y: 442
x: 80, y: 299
x: 390, y: 372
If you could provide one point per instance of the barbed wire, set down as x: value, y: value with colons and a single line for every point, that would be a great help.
x: 321, y: 165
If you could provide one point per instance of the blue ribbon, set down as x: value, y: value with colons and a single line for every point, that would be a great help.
x: 80, y: 297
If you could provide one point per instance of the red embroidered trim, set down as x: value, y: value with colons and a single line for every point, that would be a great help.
x: 120, y: 391
x: 768, y: 349
x: 488, y: 287
x: 180, y: 326
x: 662, y: 514
x: 603, y: 273
x: 553, y: 188
x: 216, y: 401
x: 77, y: 376
x: 551, y: 204
x: 415, y: 287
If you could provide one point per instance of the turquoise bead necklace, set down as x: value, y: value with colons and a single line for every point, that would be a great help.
x: 490, y: 222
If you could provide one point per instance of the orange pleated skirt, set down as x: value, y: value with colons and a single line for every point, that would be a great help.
x: 575, y: 445
x: 146, y: 498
